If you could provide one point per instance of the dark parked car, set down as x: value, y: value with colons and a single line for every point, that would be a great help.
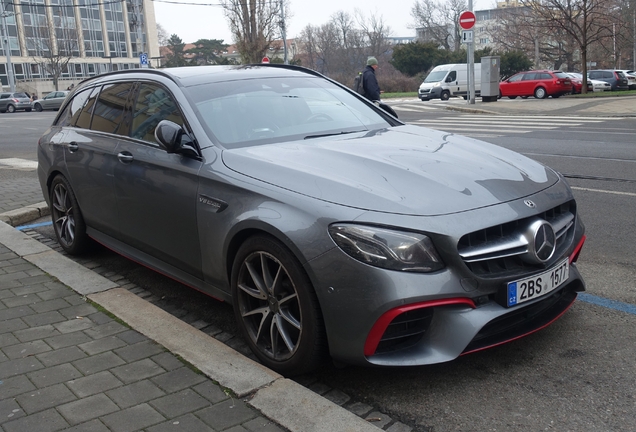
x: 540, y: 84
x: 615, y: 78
x: 52, y: 101
x: 631, y: 78
x: 12, y: 102
x: 332, y: 227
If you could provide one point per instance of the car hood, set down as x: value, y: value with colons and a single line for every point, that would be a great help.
x: 405, y: 169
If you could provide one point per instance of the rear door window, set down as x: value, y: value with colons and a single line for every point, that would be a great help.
x: 110, y: 109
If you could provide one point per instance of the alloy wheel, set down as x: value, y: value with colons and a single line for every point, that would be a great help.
x: 63, y: 214
x: 269, y: 306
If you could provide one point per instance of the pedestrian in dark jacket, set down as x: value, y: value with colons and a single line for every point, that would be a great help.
x: 369, y: 81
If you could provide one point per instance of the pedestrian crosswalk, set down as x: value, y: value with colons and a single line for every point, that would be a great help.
x: 479, y: 125
x: 18, y: 164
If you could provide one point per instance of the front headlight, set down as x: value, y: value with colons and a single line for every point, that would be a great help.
x: 437, y: 84
x: 386, y: 248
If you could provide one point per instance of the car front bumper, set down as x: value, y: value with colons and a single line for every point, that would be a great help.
x: 391, y: 318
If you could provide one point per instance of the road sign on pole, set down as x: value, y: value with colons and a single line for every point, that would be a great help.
x: 143, y: 60
x: 467, y: 36
x: 467, y: 20
x: 265, y: 60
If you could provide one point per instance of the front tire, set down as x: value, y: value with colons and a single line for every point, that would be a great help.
x: 68, y: 222
x: 276, y: 307
x: 38, y: 107
x: 445, y: 95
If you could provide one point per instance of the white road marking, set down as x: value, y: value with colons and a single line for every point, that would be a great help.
x: 604, y: 191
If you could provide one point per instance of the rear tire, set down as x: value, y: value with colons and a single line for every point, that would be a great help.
x: 10, y: 108
x: 68, y: 222
x: 276, y: 307
x: 540, y: 93
x: 28, y: 110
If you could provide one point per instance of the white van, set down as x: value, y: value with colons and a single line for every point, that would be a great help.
x: 449, y: 80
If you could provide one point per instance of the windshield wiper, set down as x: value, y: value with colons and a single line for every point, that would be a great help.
x: 333, y: 134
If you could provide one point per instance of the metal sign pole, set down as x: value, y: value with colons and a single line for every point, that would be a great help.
x: 471, y: 65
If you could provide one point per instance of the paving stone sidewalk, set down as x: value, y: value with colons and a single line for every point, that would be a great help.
x: 66, y: 365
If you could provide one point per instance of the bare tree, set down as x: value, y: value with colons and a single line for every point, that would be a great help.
x: 440, y: 21
x: 586, y: 21
x: 162, y: 35
x: 54, y: 45
x: 519, y: 29
x: 254, y: 23
x: 375, y: 32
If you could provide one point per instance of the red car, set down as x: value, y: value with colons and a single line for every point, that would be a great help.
x: 539, y: 83
x: 577, y: 83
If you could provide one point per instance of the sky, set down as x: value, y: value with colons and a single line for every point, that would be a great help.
x: 193, y: 22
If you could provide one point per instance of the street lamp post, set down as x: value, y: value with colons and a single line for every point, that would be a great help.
x: 7, y: 48
x: 110, y: 61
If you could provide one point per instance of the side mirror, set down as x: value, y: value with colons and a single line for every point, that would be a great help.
x: 388, y: 109
x: 171, y: 137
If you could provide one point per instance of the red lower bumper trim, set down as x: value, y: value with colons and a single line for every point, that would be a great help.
x: 380, y: 326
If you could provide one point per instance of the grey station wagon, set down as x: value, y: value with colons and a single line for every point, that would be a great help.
x: 333, y: 228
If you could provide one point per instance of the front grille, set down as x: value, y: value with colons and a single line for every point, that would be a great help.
x: 496, y: 251
x: 405, y: 330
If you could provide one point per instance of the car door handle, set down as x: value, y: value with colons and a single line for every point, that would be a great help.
x: 73, y: 147
x: 125, y: 157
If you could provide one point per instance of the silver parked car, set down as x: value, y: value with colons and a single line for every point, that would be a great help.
x: 333, y: 228
x: 52, y: 101
x: 12, y: 102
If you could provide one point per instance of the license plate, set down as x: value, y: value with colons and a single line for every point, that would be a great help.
x: 536, y: 286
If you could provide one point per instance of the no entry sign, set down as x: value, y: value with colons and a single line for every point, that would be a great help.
x: 467, y: 20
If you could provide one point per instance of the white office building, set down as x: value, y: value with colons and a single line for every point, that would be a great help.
x: 88, y: 37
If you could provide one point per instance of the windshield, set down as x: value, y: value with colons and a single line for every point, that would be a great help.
x: 435, y: 76
x: 260, y: 111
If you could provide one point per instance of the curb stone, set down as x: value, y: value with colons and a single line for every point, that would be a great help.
x: 26, y: 214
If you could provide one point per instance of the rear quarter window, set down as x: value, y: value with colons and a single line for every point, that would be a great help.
x: 72, y: 109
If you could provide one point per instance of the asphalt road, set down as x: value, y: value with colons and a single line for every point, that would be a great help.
x: 579, y: 374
